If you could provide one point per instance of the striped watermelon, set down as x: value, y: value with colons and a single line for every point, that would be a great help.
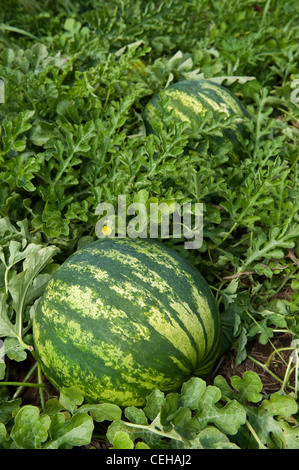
x: 122, y: 317
x: 191, y: 99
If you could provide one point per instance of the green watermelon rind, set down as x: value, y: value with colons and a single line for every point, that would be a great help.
x: 123, y: 317
x: 191, y: 99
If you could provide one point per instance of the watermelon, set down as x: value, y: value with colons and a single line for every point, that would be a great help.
x: 122, y: 317
x: 190, y: 100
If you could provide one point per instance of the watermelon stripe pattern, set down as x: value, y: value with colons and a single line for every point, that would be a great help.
x: 122, y: 317
x: 191, y: 99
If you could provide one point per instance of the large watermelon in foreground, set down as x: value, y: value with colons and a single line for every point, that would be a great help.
x: 122, y: 317
x: 190, y: 100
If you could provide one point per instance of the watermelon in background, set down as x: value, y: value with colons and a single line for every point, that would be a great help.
x: 190, y: 100
x: 122, y: 317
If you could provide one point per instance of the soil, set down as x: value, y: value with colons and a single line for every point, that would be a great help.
x: 261, y: 353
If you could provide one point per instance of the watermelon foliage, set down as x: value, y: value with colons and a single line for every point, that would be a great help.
x: 123, y: 317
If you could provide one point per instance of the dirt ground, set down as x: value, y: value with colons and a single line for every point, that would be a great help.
x: 261, y: 353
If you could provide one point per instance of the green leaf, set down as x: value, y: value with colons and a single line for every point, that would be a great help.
x: 249, y: 387
x: 16, y: 254
x: 261, y: 328
x: 121, y: 440
x: 20, y: 284
x: 185, y: 424
x: 2, y: 368
x: 6, y: 327
x: 135, y: 415
x: 14, y: 350
x: 192, y: 391
x: 52, y: 407
x: 212, y: 438
x: 268, y: 421
x: 54, y: 223
x: 141, y: 196
x: 5, y: 440
x: 153, y: 404
x: 76, y: 431
x: 141, y: 445
x: 30, y: 429
x: 7, y: 408
x: 226, y: 391
x: 103, y: 411
x: 228, y: 419
x: 280, y: 405
x: 115, y: 426
x: 21, y: 171
x: 37, y: 287
x: 168, y: 410
x: 13, y: 129
x: 70, y: 398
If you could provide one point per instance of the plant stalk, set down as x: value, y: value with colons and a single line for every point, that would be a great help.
x: 20, y: 389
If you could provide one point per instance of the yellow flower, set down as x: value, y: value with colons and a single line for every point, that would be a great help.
x: 106, y: 230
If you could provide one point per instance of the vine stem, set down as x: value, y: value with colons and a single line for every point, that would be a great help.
x: 23, y: 384
x: 264, y: 366
x: 290, y: 348
x: 39, y: 375
x: 19, y: 390
x: 287, y: 374
x: 251, y: 429
x: 283, y: 331
x: 172, y: 435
